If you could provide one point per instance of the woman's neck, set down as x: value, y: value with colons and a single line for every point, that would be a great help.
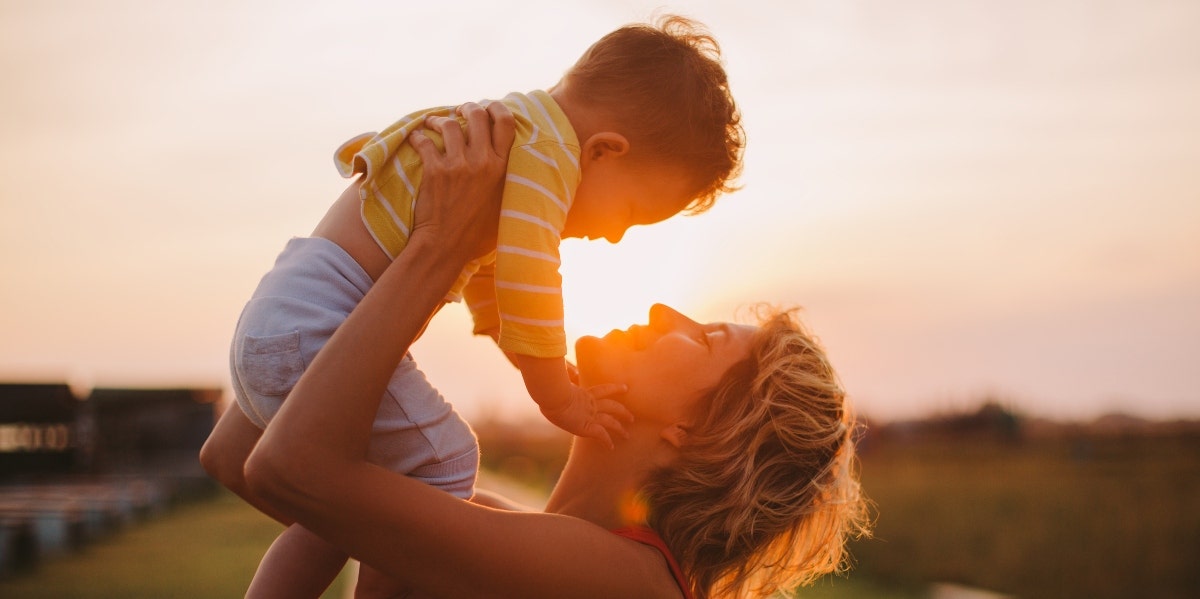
x: 601, y: 485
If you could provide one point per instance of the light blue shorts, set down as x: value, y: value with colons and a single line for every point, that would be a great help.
x: 298, y: 304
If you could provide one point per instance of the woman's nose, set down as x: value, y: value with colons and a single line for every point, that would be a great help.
x: 663, y: 317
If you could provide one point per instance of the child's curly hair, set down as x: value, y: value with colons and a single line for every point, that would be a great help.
x: 765, y: 492
x: 664, y: 87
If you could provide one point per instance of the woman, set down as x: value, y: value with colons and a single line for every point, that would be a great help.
x: 735, y: 478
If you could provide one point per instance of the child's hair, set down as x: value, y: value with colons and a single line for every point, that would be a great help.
x: 765, y: 492
x: 664, y: 87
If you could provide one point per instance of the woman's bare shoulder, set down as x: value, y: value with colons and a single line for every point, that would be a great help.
x: 591, y: 560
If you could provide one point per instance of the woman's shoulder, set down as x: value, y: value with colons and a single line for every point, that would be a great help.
x: 645, y: 535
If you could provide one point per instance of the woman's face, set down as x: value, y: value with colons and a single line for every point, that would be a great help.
x: 666, y: 364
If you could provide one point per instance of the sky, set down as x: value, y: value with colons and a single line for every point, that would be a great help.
x: 967, y: 199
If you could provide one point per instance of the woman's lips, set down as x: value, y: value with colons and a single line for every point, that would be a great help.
x: 626, y: 338
x: 636, y: 337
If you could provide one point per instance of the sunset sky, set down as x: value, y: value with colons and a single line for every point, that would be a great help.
x: 968, y: 198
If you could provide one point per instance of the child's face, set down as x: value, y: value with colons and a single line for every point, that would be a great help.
x: 612, y: 197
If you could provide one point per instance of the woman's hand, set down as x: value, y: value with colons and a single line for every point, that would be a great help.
x: 458, y: 207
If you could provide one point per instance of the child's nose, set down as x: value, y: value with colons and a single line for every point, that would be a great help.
x: 616, y: 235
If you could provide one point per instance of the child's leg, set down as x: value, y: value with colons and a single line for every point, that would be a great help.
x: 298, y: 564
x: 373, y: 584
x: 413, y: 428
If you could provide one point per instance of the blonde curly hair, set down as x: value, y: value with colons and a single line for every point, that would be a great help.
x: 765, y: 492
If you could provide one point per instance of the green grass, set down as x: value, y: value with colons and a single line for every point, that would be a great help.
x: 1062, y: 518
x: 1057, y: 518
x: 203, y: 549
x: 209, y: 548
x: 855, y: 588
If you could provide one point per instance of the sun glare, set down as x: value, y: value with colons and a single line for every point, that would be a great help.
x: 609, y: 286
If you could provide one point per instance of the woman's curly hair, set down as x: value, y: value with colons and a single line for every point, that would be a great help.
x: 765, y: 492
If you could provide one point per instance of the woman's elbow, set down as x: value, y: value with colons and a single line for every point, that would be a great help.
x: 287, y: 484
x: 223, y: 464
x: 210, y: 460
x: 269, y: 477
x: 224, y: 453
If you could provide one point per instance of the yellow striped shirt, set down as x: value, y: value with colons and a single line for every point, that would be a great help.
x: 518, y: 287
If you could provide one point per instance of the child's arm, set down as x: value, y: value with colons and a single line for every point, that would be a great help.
x: 581, y: 412
x: 494, y: 333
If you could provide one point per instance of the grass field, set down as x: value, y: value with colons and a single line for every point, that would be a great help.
x: 1046, y: 510
x: 1066, y: 517
x: 1059, y: 518
x: 209, y: 549
x: 203, y: 549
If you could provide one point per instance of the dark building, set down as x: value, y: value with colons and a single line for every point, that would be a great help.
x: 47, y: 429
x: 44, y: 428
x: 74, y: 469
x: 140, y: 427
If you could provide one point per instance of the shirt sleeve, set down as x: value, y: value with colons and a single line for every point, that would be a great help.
x: 480, y: 297
x: 541, y: 181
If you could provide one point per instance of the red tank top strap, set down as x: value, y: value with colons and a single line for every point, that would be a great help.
x: 646, y: 536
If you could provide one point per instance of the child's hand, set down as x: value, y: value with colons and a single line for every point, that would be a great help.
x: 590, y: 413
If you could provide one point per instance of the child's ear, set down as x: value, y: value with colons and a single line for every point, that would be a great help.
x: 605, y: 144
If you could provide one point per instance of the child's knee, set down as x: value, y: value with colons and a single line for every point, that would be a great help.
x: 373, y: 584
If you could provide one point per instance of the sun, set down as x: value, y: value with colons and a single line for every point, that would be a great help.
x: 608, y: 286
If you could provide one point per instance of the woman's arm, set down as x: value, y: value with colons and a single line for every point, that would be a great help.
x: 310, y: 463
x: 457, y: 214
x: 224, y: 455
x: 497, y: 501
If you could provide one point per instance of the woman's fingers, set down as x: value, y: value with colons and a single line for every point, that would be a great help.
x: 453, y: 138
x: 491, y: 130
x: 504, y: 129
x: 479, y: 130
x: 425, y: 148
x: 463, y: 182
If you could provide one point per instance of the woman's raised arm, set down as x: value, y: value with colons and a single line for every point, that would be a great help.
x: 457, y: 216
x: 311, y: 462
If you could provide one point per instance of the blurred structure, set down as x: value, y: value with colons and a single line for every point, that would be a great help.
x: 150, y: 428
x: 44, y: 428
x: 74, y: 468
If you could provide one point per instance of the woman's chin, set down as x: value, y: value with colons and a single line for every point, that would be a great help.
x: 589, y: 358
